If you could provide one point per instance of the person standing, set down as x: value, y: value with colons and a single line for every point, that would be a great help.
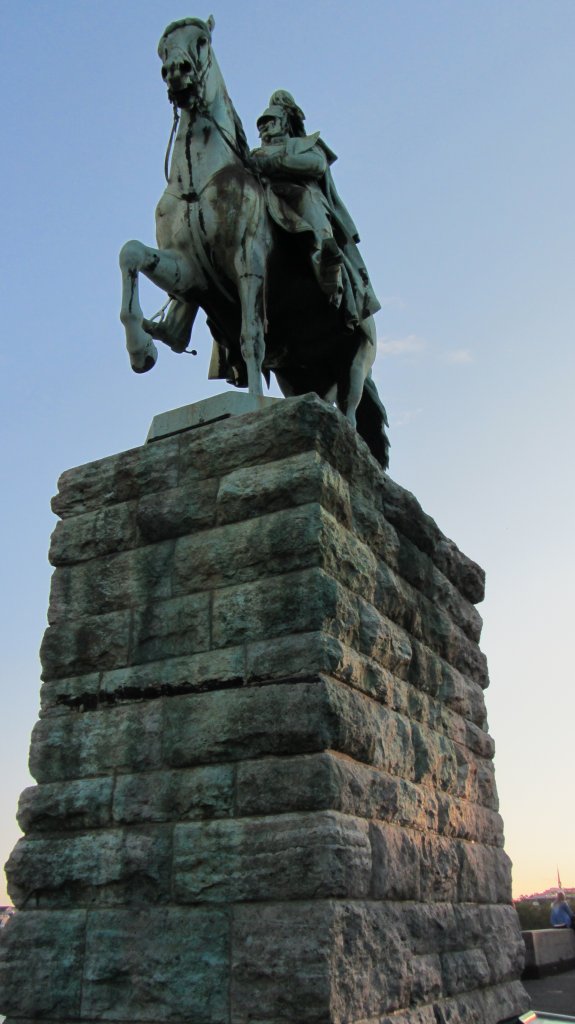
x: 561, y: 914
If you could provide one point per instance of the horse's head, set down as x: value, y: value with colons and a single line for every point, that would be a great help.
x: 185, y: 50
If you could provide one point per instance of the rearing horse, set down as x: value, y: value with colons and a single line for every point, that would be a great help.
x: 219, y: 250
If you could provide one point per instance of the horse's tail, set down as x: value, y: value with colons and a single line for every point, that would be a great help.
x: 371, y: 419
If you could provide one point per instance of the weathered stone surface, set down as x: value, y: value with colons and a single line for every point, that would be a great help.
x: 298, y: 480
x: 56, y: 695
x: 243, y: 552
x: 235, y: 724
x: 333, y: 781
x: 118, y: 478
x: 409, y: 865
x: 105, y: 867
x: 161, y: 964
x: 171, y: 628
x: 464, y: 970
x: 484, y: 874
x: 41, y: 963
x: 97, y: 742
x: 205, y: 792
x: 321, y: 962
x: 65, y: 806
x: 291, y: 856
x: 204, y: 670
x: 176, y: 512
x: 121, y: 581
x: 93, y: 534
x: 86, y: 645
x: 264, y: 766
x: 295, y: 603
x: 295, y: 426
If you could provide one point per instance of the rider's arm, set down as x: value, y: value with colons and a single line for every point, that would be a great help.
x: 282, y: 162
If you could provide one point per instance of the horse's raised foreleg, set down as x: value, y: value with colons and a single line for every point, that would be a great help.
x: 163, y: 268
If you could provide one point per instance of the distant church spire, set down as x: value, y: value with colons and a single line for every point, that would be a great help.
x: 559, y: 886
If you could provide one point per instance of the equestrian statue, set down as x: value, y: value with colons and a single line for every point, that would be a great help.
x: 261, y: 242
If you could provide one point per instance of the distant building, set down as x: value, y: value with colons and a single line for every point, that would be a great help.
x: 547, y: 894
x: 5, y: 915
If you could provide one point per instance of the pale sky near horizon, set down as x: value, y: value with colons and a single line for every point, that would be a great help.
x: 453, y: 122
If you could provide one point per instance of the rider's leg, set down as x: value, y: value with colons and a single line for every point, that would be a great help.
x: 326, y: 258
x: 175, y: 329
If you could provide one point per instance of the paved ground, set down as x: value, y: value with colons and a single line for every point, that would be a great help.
x: 555, y: 994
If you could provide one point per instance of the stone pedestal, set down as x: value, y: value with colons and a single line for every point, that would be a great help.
x: 265, y: 785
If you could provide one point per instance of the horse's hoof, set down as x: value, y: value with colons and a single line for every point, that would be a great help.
x: 146, y: 360
x: 149, y: 363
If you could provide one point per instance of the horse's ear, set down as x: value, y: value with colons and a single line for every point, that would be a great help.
x: 211, y: 23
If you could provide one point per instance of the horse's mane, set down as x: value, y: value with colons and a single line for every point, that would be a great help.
x: 241, y: 140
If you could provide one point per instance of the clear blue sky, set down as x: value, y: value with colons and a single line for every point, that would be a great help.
x: 453, y: 121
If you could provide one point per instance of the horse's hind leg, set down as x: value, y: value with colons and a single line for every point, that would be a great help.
x: 350, y: 387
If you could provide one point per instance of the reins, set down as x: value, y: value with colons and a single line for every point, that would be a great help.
x: 201, y: 74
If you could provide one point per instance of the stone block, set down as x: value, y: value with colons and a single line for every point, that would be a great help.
x: 41, y: 961
x: 291, y: 856
x: 475, y: 779
x: 464, y: 970
x: 294, y: 603
x: 104, y: 867
x: 435, y: 758
x: 298, y: 655
x: 285, y: 718
x: 168, y: 514
x: 197, y: 793
x: 484, y: 874
x: 332, y: 781
x: 384, y: 641
x: 397, y: 862
x: 94, y: 534
x: 410, y: 865
x: 419, y: 570
x: 333, y: 962
x: 403, y: 510
x: 132, y: 578
x: 292, y: 426
x: 97, y: 743
x: 118, y: 478
x: 373, y: 528
x: 298, y: 480
x: 66, y: 806
x: 462, y: 695
x: 159, y: 964
x: 85, y: 645
x: 463, y: 820
x: 201, y: 671
x: 57, y: 695
x: 235, y: 724
x: 243, y: 552
x: 169, y: 629
x: 426, y: 986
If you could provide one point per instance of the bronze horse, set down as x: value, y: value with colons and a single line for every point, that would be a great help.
x: 218, y: 249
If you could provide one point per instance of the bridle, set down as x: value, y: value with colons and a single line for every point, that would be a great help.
x: 200, y: 74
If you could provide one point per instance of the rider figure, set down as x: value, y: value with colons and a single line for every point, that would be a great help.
x: 301, y: 198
